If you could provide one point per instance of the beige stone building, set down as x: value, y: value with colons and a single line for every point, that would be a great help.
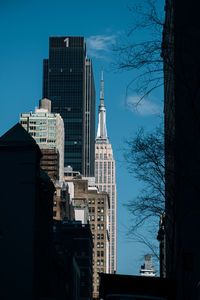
x: 96, y: 206
x: 99, y: 205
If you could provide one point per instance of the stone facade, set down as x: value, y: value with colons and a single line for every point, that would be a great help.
x: 96, y: 205
x: 98, y: 218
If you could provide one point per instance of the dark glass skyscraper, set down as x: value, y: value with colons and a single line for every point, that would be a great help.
x: 68, y: 82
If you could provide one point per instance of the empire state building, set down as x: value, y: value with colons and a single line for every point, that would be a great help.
x: 105, y: 176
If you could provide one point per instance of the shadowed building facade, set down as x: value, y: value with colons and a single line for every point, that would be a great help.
x: 181, y: 48
x: 25, y: 219
x: 68, y: 82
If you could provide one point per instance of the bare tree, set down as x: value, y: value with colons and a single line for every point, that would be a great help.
x: 145, y: 158
x: 144, y: 56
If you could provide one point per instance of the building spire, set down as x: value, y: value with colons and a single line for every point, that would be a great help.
x: 102, y: 88
x: 102, y: 131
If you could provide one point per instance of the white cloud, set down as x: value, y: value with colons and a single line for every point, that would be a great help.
x: 97, y: 45
x: 142, y: 107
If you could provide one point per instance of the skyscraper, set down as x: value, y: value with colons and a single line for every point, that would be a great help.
x: 68, y: 82
x: 105, y: 175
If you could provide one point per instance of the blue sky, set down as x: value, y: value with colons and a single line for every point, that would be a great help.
x: 25, y: 27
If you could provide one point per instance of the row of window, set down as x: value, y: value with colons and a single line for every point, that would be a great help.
x: 42, y: 140
x: 101, y: 179
x: 101, y: 147
x: 105, y: 164
x: 39, y: 122
x: 100, y: 270
x: 99, y: 236
x: 100, y: 262
x: 99, y: 227
x: 100, y: 253
x: 99, y: 209
x: 99, y: 201
x: 42, y: 128
x: 99, y: 218
x: 103, y: 156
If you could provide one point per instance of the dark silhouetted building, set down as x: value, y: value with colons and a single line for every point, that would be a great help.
x: 181, y: 48
x: 76, y: 238
x: 25, y: 218
x: 125, y: 287
x: 68, y: 82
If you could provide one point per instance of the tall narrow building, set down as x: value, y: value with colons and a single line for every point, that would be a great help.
x: 105, y: 175
x: 68, y: 82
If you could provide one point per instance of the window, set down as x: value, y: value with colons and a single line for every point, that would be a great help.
x: 42, y: 134
x: 98, y: 236
x: 43, y: 121
x: 98, y: 253
x: 102, y: 253
x: 54, y: 213
x: 98, y: 245
x: 42, y: 140
x: 98, y: 262
x: 102, y: 218
x: 102, y: 245
x: 102, y: 262
x: 54, y: 203
x: 102, y: 236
